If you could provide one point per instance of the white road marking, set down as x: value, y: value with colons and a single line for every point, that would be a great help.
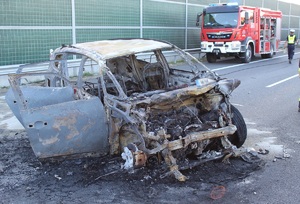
x: 250, y: 123
x: 281, y: 81
x: 236, y: 104
x: 229, y: 67
x: 237, y: 65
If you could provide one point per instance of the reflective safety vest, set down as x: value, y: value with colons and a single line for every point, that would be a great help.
x: 291, y: 39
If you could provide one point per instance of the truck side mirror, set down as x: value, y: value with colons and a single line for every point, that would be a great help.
x: 246, y: 18
x: 198, y: 19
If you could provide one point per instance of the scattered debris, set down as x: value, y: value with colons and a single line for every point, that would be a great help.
x: 286, y: 155
x: 56, y: 176
x: 263, y: 151
x: 250, y: 156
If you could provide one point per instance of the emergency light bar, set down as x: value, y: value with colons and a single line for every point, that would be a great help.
x: 225, y: 4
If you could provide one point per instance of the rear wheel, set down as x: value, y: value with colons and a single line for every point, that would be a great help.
x: 211, y: 57
x: 269, y: 55
x: 239, y: 137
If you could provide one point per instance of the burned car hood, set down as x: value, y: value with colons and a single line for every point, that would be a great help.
x: 226, y: 86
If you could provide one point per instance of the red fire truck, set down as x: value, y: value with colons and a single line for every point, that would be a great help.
x: 240, y: 31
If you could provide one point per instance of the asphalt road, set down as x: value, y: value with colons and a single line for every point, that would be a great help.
x: 268, y: 99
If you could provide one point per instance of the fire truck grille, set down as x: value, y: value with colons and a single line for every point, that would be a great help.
x: 219, y: 36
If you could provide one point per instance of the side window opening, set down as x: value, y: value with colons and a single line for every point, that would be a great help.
x: 154, y: 74
x: 110, y: 86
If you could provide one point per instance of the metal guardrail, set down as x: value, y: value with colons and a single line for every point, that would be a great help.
x: 5, y: 70
x: 42, y: 66
x: 10, y: 69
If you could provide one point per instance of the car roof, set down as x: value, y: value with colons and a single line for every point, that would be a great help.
x: 107, y: 49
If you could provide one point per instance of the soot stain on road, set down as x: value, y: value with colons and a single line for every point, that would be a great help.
x: 24, y: 179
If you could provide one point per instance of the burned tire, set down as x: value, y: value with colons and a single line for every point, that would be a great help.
x: 239, y: 137
x: 211, y: 57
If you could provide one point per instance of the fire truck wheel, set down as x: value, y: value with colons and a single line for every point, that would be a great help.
x: 247, y: 55
x: 240, y: 135
x: 211, y: 57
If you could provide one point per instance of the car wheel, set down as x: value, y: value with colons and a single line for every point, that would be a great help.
x: 211, y: 57
x: 239, y: 137
x: 247, y: 55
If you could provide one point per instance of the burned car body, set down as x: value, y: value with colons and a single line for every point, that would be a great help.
x: 145, y: 100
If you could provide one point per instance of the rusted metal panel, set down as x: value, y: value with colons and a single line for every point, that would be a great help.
x: 200, y: 136
x: 72, y: 127
x: 115, y: 48
x: 46, y: 96
x: 168, y: 98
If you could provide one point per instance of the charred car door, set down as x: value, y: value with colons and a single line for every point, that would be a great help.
x: 58, y: 121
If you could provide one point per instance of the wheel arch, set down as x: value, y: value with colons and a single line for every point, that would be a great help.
x: 247, y: 50
x: 246, y: 42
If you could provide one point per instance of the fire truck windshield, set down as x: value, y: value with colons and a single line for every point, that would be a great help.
x: 220, y: 20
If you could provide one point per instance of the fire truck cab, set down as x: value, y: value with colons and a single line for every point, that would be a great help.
x: 241, y: 31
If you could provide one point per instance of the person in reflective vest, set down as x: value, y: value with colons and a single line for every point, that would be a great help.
x: 291, y: 40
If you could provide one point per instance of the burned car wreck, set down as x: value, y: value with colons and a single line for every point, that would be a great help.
x: 145, y: 100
